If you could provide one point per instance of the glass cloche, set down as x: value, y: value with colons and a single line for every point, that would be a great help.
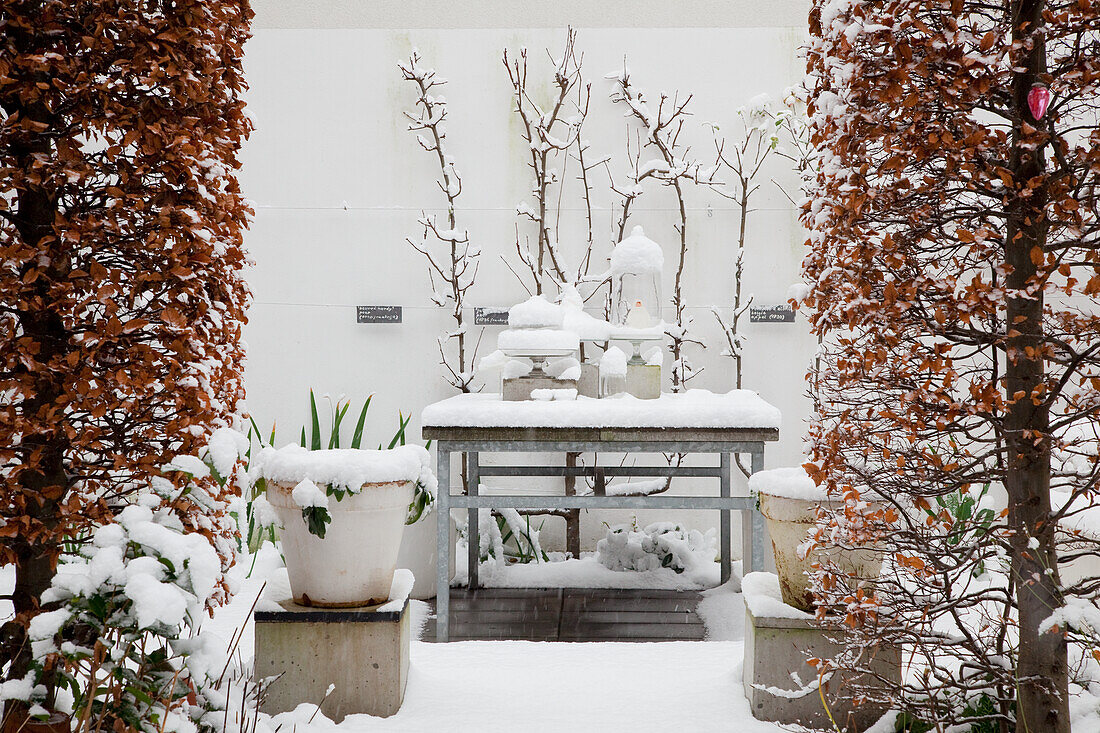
x: 636, y: 265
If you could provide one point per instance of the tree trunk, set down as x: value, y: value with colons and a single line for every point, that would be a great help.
x: 45, y: 480
x: 1042, y: 669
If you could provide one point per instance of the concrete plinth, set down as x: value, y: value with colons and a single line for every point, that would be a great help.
x: 589, y: 383
x: 643, y: 381
x: 783, y: 688
x: 364, y: 653
x: 520, y: 388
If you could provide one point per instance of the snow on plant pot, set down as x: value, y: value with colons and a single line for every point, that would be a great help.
x: 789, y: 500
x: 343, y: 512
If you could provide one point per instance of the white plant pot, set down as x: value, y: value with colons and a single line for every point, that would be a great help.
x: 353, y: 565
x: 418, y: 554
x: 789, y: 524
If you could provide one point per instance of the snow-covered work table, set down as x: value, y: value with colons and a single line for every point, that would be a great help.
x: 696, y: 421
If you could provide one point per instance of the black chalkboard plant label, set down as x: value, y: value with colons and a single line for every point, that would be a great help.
x: 487, y: 316
x: 782, y: 313
x: 378, y: 314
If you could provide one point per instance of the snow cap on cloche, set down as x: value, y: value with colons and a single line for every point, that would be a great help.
x: 637, y: 254
x: 535, y: 312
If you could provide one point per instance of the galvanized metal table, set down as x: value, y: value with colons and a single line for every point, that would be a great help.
x: 473, y: 441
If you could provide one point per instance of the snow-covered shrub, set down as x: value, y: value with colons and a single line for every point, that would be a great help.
x: 658, y: 545
x: 121, y: 647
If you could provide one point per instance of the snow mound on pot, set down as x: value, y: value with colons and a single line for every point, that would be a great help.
x: 790, y: 483
x: 306, y: 494
x: 764, y: 599
x: 347, y: 468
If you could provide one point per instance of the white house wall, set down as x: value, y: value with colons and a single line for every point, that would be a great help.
x: 338, y: 183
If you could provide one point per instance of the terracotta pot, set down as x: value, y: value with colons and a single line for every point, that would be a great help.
x: 353, y: 565
x: 789, y: 524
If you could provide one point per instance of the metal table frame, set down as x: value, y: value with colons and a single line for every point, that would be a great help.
x: 473, y: 441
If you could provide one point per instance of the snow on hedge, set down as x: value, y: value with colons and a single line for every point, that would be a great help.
x: 696, y: 408
x: 158, y: 602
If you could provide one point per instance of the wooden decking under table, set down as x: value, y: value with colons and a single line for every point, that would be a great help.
x: 572, y: 614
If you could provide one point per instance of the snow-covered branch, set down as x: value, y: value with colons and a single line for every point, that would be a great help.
x: 550, y: 133
x: 761, y: 133
x: 451, y: 257
x: 673, y: 167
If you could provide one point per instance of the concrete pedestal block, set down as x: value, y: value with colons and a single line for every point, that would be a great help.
x: 589, y: 383
x: 643, y: 381
x: 520, y: 388
x: 364, y: 653
x: 776, y: 650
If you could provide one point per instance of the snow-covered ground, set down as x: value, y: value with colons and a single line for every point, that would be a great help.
x: 545, y: 686
x: 554, y: 686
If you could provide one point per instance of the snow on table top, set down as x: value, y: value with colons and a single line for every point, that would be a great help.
x: 696, y: 408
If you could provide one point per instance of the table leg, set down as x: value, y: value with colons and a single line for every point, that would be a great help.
x: 572, y: 516
x: 473, y: 470
x: 748, y: 533
x: 726, y: 483
x: 443, y: 543
x: 759, y: 529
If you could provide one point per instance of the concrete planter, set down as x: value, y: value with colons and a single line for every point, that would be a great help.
x: 789, y: 523
x: 353, y: 565
x: 419, y: 553
x: 782, y: 687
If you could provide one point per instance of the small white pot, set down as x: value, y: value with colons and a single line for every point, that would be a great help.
x: 418, y: 554
x: 353, y: 565
x: 789, y: 523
